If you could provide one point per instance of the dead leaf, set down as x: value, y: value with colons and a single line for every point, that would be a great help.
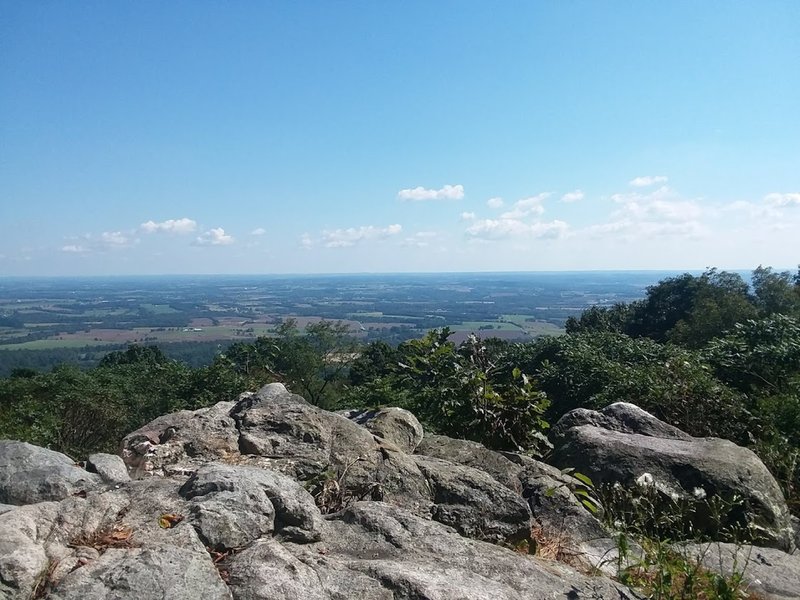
x: 169, y: 520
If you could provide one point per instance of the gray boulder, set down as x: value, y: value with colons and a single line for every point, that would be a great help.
x: 418, y: 559
x: 30, y: 474
x: 395, y: 425
x: 168, y: 572
x: 680, y: 469
x: 110, y: 467
x: 472, y: 454
x: 474, y: 503
x: 619, y: 416
x: 235, y: 505
x: 178, y: 443
x: 284, y: 432
x: 767, y: 573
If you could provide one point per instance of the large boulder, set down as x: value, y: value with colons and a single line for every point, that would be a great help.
x: 110, y: 467
x: 178, y: 443
x: 232, y: 532
x: 766, y: 573
x: 30, y: 474
x: 395, y: 425
x: 638, y: 452
x: 474, y: 503
x: 235, y: 505
x: 472, y: 454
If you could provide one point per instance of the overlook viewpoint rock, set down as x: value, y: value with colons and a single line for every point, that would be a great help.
x: 269, y: 497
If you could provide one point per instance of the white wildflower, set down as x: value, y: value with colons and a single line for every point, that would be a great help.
x: 699, y: 493
x: 645, y: 480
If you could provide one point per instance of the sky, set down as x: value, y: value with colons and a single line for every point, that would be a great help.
x: 344, y: 137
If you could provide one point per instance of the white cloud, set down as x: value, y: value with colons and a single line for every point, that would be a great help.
x: 179, y: 226
x: 526, y: 207
x: 572, y: 196
x: 631, y: 229
x: 502, y: 228
x: 306, y: 242
x: 467, y: 216
x: 214, y: 237
x: 495, y: 202
x: 776, y: 199
x: 342, y: 238
x: 258, y: 231
x: 421, y: 239
x: 658, y: 213
x: 667, y: 210
x: 648, y: 180
x: 420, y: 194
x: 662, y: 193
x: 74, y: 248
x: 114, y: 239
x: 108, y: 240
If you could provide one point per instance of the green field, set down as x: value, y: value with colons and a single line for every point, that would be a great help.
x: 159, y: 309
x: 532, y: 326
x: 476, y: 326
x: 50, y: 344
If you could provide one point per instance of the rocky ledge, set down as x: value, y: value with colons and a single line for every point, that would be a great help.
x: 270, y: 497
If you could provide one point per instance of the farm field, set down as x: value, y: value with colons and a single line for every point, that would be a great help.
x: 58, y: 314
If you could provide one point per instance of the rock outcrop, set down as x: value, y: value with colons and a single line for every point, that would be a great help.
x: 270, y: 497
x: 31, y: 474
x: 624, y: 445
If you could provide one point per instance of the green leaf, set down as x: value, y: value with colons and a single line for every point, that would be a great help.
x: 583, y: 478
x: 591, y: 506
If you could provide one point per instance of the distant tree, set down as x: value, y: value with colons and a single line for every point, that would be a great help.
x: 759, y: 356
x: 134, y: 355
x: 592, y: 370
x: 312, y: 363
x: 615, y: 318
x: 775, y: 292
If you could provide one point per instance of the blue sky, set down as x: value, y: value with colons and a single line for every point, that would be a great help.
x: 309, y: 137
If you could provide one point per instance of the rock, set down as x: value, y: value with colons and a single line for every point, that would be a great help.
x: 110, y: 467
x: 472, y: 454
x: 180, y: 442
x: 795, y: 525
x: 31, y: 474
x: 235, y: 505
x: 560, y: 516
x: 284, y: 432
x: 22, y: 561
x: 266, y: 571
x: 680, y: 469
x: 768, y: 573
x: 418, y: 559
x: 395, y: 425
x: 474, y: 503
x: 228, y: 511
x: 143, y: 574
x: 619, y: 416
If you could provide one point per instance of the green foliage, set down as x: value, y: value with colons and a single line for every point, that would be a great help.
x: 473, y: 391
x: 596, y: 369
x: 312, y: 363
x: 78, y: 412
x: 759, y: 356
x: 650, y: 558
x: 776, y: 293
